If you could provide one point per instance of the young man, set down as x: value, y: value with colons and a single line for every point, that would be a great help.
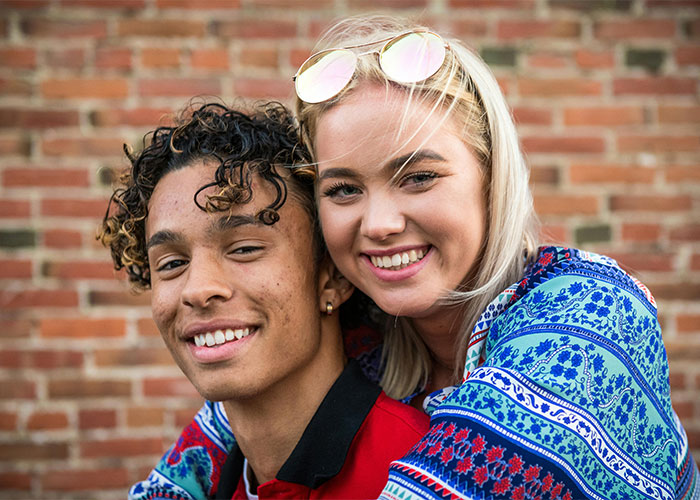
x: 212, y: 218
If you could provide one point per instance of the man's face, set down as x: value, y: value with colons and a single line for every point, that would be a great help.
x: 236, y: 301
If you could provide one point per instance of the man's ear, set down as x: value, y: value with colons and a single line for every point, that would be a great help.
x: 334, y: 288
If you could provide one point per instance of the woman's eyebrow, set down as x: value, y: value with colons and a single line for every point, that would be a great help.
x: 412, y: 157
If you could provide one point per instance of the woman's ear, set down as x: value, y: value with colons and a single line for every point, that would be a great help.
x: 334, y: 288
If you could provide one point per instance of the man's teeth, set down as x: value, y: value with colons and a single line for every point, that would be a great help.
x: 218, y: 337
x: 398, y: 260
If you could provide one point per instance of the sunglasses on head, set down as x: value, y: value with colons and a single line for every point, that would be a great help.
x: 406, y: 58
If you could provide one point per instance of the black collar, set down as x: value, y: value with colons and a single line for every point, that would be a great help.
x: 320, y: 453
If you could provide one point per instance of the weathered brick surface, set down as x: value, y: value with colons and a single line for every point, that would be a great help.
x: 604, y: 93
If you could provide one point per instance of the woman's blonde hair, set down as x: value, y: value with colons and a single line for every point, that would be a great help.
x: 466, y: 92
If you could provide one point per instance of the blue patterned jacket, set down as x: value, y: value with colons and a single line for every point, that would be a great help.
x: 565, y: 396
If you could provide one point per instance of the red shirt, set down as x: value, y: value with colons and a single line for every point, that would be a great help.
x: 345, y: 450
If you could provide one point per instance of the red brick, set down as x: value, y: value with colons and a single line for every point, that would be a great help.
x: 15, y: 268
x: 14, y: 208
x: 178, y: 87
x: 37, y: 118
x: 147, y: 328
x: 65, y: 58
x: 532, y: 116
x: 16, y: 481
x: 530, y: 28
x: 600, y: 173
x: 635, y: 28
x: 145, y: 417
x: 200, y: 4
x: 41, y: 359
x: 103, y: 298
x: 650, y: 203
x: 658, y: 143
x: 90, y: 389
x: 17, y: 389
x: 84, y: 479
x: 168, y: 387
x: 679, y: 114
x: 607, y: 116
x: 654, y: 86
x: 15, y: 328
x: 264, y: 57
x: 548, y: 175
x: 184, y: 417
x: 25, y: 4
x: 688, y: 323
x: 553, y: 87
x: 500, y: 4
x: 63, y: 28
x: 83, y: 146
x: 85, y: 88
x: 97, y: 419
x: 563, y: 144
x: 161, y: 28
x: 641, y: 232
x: 672, y: 4
x: 113, y: 58
x: 62, y: 238
x: 22, y: 450
x: 554, y: 233
x: 47, y: 421
x: 249, y: 29
x: 683, y: 173
x: 687, y: 232
x: 79, y: 270
x: 73, y: 208
x: 210, y: 59
x: 677, y: 380
x: 106, y: 4
x: 638, y: 261
x: 45, y: 177
x: 82, y: 327
x: 259, y: 88
x: 566, y: 205
x: 591, y: 59
x: 8, y: 421
x: 548, y: 60
x: 38, y: 298
x: 682, y: 351
x: 683, y: 408
x: 18, y: 57
x: 15, y: 87
x: 160, y: 58
x: 695, y: 265
x: 467, y: 28
x: 688, y: 56
x: 394, y: 4
x: 133, y: 357
x: 108, y: 448
x: 137, y: 117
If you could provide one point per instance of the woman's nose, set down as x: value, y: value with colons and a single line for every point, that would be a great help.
x: 382, y: 219
x: 206, y: 283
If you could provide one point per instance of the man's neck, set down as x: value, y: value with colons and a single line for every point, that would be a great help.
x: 268, y: 427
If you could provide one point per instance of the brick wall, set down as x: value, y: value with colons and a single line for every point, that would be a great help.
x: 605, y: 93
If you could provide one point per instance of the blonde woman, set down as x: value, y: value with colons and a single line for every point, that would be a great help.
x: 543, y: 369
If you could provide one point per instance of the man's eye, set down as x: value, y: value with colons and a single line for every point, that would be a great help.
x: 341, y: 190
x: 247, y: 250
x: 171, y: 264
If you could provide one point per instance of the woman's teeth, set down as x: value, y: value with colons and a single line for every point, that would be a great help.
x: 218, y: 337
x: 398, y: 260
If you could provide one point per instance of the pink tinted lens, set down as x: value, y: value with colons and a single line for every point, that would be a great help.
x: 413, y: 57
x: 324, y: 75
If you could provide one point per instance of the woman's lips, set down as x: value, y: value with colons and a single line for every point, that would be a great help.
x: 400, y: 271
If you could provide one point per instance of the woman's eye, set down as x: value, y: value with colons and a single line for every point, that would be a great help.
x: 419, y: 179
x: 341, y: 190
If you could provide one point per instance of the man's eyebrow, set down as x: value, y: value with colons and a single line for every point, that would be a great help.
x: 162, y: 237
x: 392, y: 165
x: 233, y: 221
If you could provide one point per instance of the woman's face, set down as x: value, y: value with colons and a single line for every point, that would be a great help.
x: 404, y: 241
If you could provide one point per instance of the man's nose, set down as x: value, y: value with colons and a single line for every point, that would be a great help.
x: 206, y: 283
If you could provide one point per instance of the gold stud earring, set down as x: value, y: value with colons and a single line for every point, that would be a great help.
x: 329, y: 308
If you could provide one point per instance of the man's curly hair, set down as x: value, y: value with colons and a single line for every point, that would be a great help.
x: 240, y: 144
